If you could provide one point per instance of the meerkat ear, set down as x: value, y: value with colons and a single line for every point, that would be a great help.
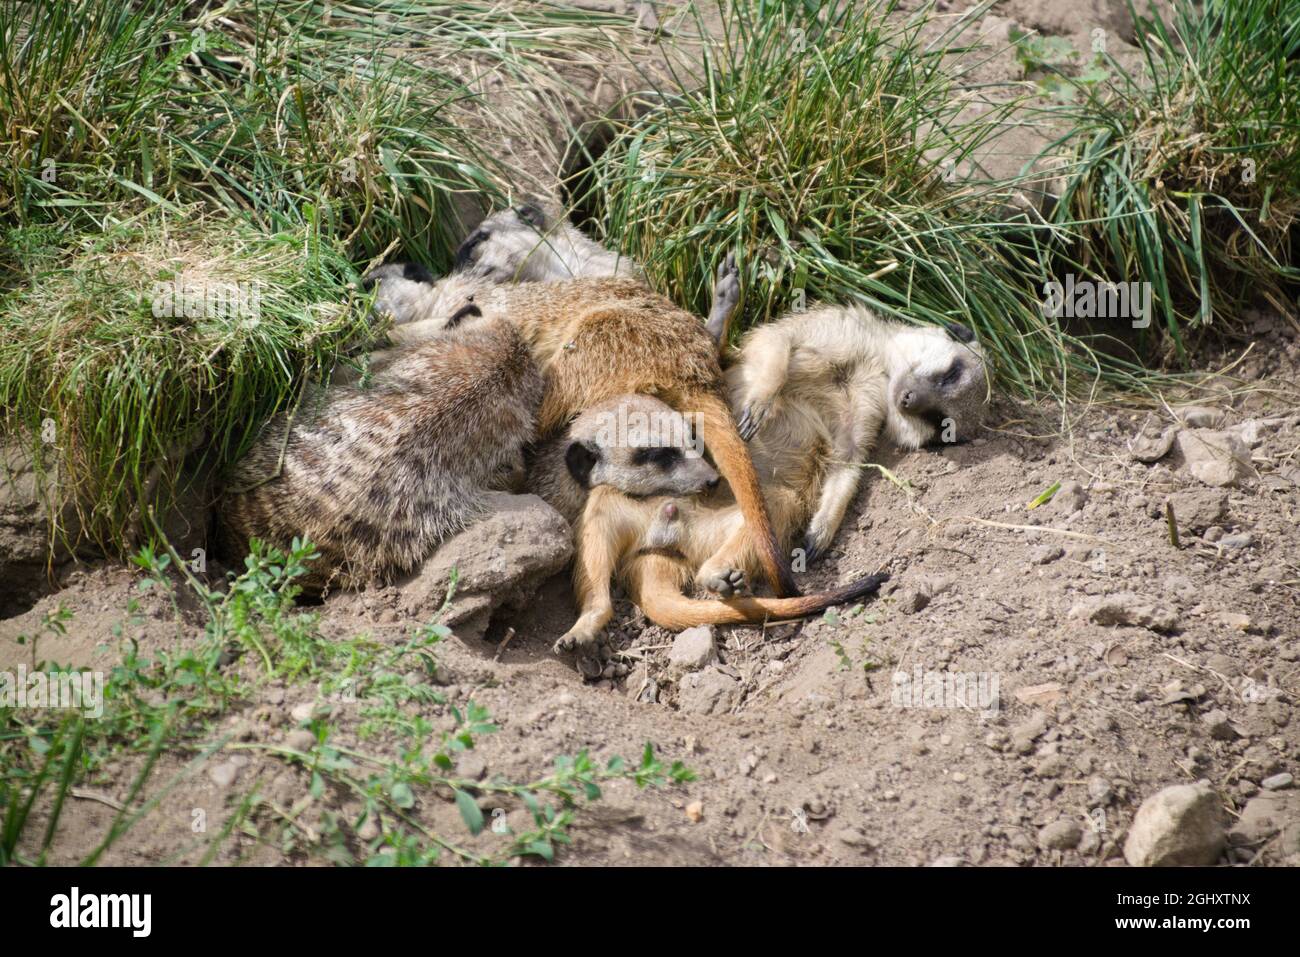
x: 581, y: 458
x: 959, y: 332
x: 466, y: 251
x: 463, y: 312
x: 417, y: 273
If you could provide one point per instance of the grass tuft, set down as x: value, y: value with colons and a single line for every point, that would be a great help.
x: 1185, y: 174
x: 164, y: 341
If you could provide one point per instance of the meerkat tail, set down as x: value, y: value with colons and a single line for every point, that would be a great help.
x: 732, y: 457
x: 665, y: 605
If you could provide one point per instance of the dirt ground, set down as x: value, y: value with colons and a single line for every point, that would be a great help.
x: 1114, y: 663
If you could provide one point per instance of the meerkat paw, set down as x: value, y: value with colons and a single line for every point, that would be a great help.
x: 725, y: 582
x: 815, y: 544
x: 589, y: 651
x: 752, y: 414
x: 726, y: 288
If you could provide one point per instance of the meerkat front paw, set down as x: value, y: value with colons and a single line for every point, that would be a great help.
x: 588, y: 649
x: 752, y: 414
x: 815, y: 544
x: 725, y: 582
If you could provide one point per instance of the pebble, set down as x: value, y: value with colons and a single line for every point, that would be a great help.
x: 1277, y: 782
x: 1178, y: 826
x: 1060, y: 836
x: 300, y: 740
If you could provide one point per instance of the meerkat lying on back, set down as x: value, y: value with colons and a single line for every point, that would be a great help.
x: 378, y: 477
x: 813, y: 393
x: 628, y: 475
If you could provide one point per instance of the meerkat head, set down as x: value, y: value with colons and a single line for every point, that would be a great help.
x: 513, y: 245
x: 938, y: 389
x: 409, y: 293
x: 639, y: 446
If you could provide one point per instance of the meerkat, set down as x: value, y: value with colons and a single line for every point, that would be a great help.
x: 526, y: 244
x: 377, y: 477
x: 629, y: 476
x: 814, y: 391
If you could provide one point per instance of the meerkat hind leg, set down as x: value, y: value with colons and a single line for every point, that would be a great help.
x: 726, y: 299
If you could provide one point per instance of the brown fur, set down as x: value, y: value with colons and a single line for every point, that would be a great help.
x: 377, y: 477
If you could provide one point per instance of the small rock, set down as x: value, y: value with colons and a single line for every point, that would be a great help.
x: 1215, y: 458
x: 223, y: 775
x: 471, y: 766
x: 300, y: 740
x: 695, y: 812
x: 708, y: 692
x: 1147, y: 449
x: 1071, y: 497
x: 1265, y: 816
x: 369, y: 829
x: 1060, y: 835
x: 1201, y: 417
x: 693, y: 649
x: 1024, y: 734
x: 852, y: 837
x: 1239, y: 540
x: 910, y: 600
x: 1052, y: 766
x: 1099, y: 791
x: 1198, y: 509
x: 1126, y: 608
x: 1179, y: 826
x: 1220, y: 728
x: 1277, y: 782
x: 1045, y: 554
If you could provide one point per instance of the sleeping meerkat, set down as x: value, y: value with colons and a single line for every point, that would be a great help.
x: 525, y: 244
x: 376, y: 478
x: 627, y: 474
x: 814, y: 391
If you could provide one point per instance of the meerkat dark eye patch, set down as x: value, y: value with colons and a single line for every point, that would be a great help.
x: 462, y: 313
x: 532, y: 215
x: 959, y: 332
x: 580, y: 459
x: 662, y: 456
x: 417, y: 273
x: 950, y: 377
x: 466, y: 251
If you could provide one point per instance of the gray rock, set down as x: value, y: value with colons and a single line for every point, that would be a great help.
x: 1024, y: 734
x: 1201, y: 417
x: 1060, y: 835
x: 1179, y: 826
x: 1277, y: 782
x: 708, y: 692
x: 1045, y: 554
x: 223, y: 775
x: 1198, y: 509
x: 1099, y: 791
x: 1269, y: 814
x: 300, y: 740
x: 1126, y: 608
x: 1069, y: 498
x: 500, y: 560
x: 1147, y: 449
x: 1220, y: 728
x: 693, y: 649
x: 1215, y: 458
x: 1239, y: 540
